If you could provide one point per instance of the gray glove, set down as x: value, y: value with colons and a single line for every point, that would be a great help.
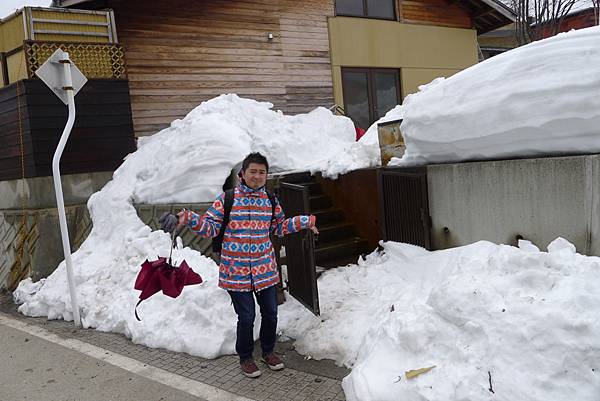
x: 168, y: 222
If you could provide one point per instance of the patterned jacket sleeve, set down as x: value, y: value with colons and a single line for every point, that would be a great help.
x: 209, y: 224
x: 282, y: 226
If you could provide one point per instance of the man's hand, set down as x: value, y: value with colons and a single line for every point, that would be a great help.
x: 312, y: 224
x: 168, y: 222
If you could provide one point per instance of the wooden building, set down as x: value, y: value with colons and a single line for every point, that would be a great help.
x: 505, y: 38
x: 32, y: 118
x: 361, y: 55
x: 577, y: 19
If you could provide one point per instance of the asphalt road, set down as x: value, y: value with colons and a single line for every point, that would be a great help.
x: 34, y: 369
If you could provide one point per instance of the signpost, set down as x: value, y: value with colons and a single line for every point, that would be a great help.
x: 65, y: 80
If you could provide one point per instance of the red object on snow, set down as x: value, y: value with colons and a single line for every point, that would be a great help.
x: 161, y: 275
x: 359, y: 132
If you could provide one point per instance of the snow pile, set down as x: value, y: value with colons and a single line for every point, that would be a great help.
x: 529, y: 318
x: 539, y: 99
x: 523, y: 320
x: 199, y: 322
x: 187, y: 162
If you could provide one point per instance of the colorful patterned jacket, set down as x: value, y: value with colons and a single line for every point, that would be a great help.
x: 247, y: 256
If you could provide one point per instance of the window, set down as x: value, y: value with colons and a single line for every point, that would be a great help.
x: 383, y: 9
x: 369, y: 93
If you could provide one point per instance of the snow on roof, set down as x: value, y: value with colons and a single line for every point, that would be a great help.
x: 535, y: 100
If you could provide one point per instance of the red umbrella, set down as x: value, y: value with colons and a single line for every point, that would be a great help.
x: 162, y: 275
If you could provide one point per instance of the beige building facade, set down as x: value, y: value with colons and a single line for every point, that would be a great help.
x: 420, y: 53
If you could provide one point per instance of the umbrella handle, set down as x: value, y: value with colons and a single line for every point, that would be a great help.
x: 173, y: 242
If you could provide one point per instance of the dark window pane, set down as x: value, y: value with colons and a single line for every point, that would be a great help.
x: 356, y: 97
x: 386, y: 92
x: 349, y: 7
x: 381, y: 8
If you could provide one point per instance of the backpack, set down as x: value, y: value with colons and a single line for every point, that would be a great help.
x: 217, y: 242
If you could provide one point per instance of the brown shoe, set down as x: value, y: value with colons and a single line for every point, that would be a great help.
x: 272, y: 361
x: 249, y: 368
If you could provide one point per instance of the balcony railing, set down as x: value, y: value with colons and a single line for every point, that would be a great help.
x: 29, y: 36
x: 95, y: 60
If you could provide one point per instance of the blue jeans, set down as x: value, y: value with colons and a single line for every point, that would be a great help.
x: 243, y: 303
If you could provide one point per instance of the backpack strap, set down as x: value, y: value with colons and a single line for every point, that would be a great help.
x: 273, y: 201
x: 217, y: 242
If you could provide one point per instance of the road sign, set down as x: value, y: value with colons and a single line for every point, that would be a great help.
x: 65, y: 80
x: 53, y: 74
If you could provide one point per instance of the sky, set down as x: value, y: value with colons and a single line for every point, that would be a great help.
x: 7, y: 7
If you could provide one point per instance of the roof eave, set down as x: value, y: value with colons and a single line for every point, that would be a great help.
x: 502, y: 9
x: 69, y: 3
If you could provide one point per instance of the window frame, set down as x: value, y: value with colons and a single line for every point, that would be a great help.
x: 371, y: 88
x: 366, y: 12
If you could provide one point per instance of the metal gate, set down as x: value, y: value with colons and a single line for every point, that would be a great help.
x: 300, y: 248
x: 404, y: 206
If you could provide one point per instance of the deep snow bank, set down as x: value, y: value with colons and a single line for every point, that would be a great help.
x: 529, y: 318
x: 539, y: 99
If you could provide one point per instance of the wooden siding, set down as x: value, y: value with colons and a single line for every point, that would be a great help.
x: 10, y: 140
x: 102, y: 135
x: 180, y: 53
x: 434, y: 12
x: 577, y: 20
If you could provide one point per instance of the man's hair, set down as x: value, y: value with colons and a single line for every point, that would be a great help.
x: 255, y: 158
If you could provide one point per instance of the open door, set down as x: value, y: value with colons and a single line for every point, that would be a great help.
x: 300, y: 249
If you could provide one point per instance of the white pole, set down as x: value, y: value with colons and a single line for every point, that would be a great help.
x: 62, y: 217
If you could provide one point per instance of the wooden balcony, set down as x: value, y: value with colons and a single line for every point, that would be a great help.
x: 32, y: 119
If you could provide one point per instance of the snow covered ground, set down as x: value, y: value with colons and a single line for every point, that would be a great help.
x: 539, y: 99
x: 523, y: 320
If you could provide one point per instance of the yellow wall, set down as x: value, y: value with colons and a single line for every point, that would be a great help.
x: 16, y: 67
x: 421, y: 52
x: 413, y: 77
x: 12, y: 30
x: 12, y: 33
x: 70, y: 16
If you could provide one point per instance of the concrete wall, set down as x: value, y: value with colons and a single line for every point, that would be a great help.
x: 31, y: 245
x: 537, y: 199
x: 29, y: 230
x: 36, y: 250
x: 38, y: 193
x: 426, y: 52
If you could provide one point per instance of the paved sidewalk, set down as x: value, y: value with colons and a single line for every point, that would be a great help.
x: 302, y: 380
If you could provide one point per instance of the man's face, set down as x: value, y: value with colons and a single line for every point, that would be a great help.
x: 255, y: 175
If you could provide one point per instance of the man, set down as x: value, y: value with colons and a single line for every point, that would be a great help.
x: 247, y: 266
